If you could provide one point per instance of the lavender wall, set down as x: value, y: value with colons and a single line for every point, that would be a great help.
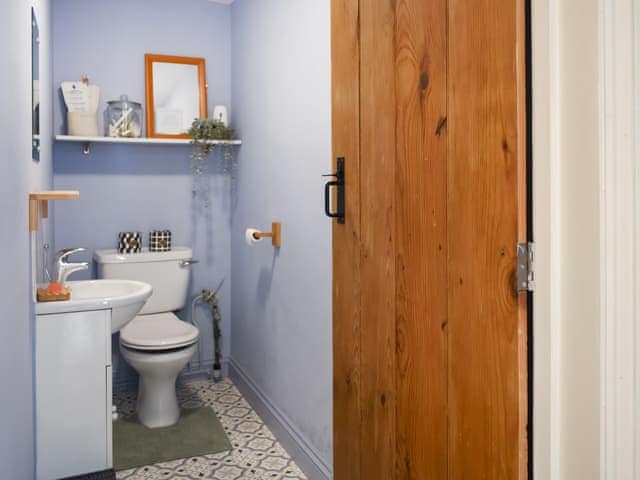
x: 18, y: 176
x: 135, y: 187
x: 281, y: 300
x: 271, y: 61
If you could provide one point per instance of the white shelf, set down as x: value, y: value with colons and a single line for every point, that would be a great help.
x: 147, y: 141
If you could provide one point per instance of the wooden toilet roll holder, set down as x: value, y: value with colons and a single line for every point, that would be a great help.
x: 275, y: 234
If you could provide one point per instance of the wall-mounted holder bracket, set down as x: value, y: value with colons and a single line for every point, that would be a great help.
x: 275, y: 234
x: 39, y: 204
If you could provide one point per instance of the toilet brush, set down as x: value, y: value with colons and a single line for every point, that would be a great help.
x: 211, y: 298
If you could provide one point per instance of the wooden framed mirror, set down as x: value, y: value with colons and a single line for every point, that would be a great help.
x: 176, y: 94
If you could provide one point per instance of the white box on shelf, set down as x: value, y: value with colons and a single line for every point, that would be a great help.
x: 82, y: 124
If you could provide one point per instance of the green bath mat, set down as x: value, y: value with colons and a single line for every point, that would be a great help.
x: 198, y: 432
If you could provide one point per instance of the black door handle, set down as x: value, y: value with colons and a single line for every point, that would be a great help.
x: 339, y: 214
x: 327, y: 199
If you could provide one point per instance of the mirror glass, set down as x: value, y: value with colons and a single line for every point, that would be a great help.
x: 175, y: 94
x: 35, y: 87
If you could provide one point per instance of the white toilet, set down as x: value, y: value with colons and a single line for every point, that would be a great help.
x: 156, y: 343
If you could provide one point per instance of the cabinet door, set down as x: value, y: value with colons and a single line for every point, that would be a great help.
x: 72, y: 352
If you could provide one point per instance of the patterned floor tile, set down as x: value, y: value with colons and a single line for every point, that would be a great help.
x: 256, y: 454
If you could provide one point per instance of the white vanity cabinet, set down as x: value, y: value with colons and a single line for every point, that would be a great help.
x: 73, y: 393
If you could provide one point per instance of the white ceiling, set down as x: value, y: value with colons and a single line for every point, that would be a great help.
x: 225, y: 2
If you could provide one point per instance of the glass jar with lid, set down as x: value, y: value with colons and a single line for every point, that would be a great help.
x: 123, y: 118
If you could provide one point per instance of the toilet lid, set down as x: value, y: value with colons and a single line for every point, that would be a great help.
x: 162, y: 331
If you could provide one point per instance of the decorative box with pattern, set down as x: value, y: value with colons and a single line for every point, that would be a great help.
x: 160, y: 241
x: 129, y: 242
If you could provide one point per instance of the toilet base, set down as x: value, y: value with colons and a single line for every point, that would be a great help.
x: 157, y: 402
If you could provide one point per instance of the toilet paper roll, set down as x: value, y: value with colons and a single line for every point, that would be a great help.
x: 249, y: 238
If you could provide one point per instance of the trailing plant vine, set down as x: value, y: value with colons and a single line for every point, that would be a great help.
x: 202, y: 132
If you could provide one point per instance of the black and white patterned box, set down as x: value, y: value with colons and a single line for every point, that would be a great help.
x: 129, y: 242
x: 160, y: 241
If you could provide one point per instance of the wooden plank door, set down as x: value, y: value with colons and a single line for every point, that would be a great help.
x: 429, y: 330
x: 486, y: 205
x: 346, y: 242
x: 421, y: 239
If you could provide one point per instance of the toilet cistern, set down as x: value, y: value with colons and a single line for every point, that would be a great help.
x: 62, y: 268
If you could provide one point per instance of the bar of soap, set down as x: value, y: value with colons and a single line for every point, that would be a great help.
x: 53, y: 293
x: 54, y: 288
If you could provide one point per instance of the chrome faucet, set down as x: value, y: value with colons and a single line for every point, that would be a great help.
x: 62, y: 269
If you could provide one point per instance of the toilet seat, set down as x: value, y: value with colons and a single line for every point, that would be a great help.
x: 158, y: 332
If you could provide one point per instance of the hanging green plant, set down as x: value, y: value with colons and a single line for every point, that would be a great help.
x: 202, y: 132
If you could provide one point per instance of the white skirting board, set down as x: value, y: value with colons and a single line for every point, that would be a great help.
x: 287, y: 434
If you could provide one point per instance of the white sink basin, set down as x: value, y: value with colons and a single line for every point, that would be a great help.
x: 125, y: 298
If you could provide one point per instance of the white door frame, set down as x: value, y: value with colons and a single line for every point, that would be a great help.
x: 546, y: 223
x: 620, y: 380
x: 619, y: 140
